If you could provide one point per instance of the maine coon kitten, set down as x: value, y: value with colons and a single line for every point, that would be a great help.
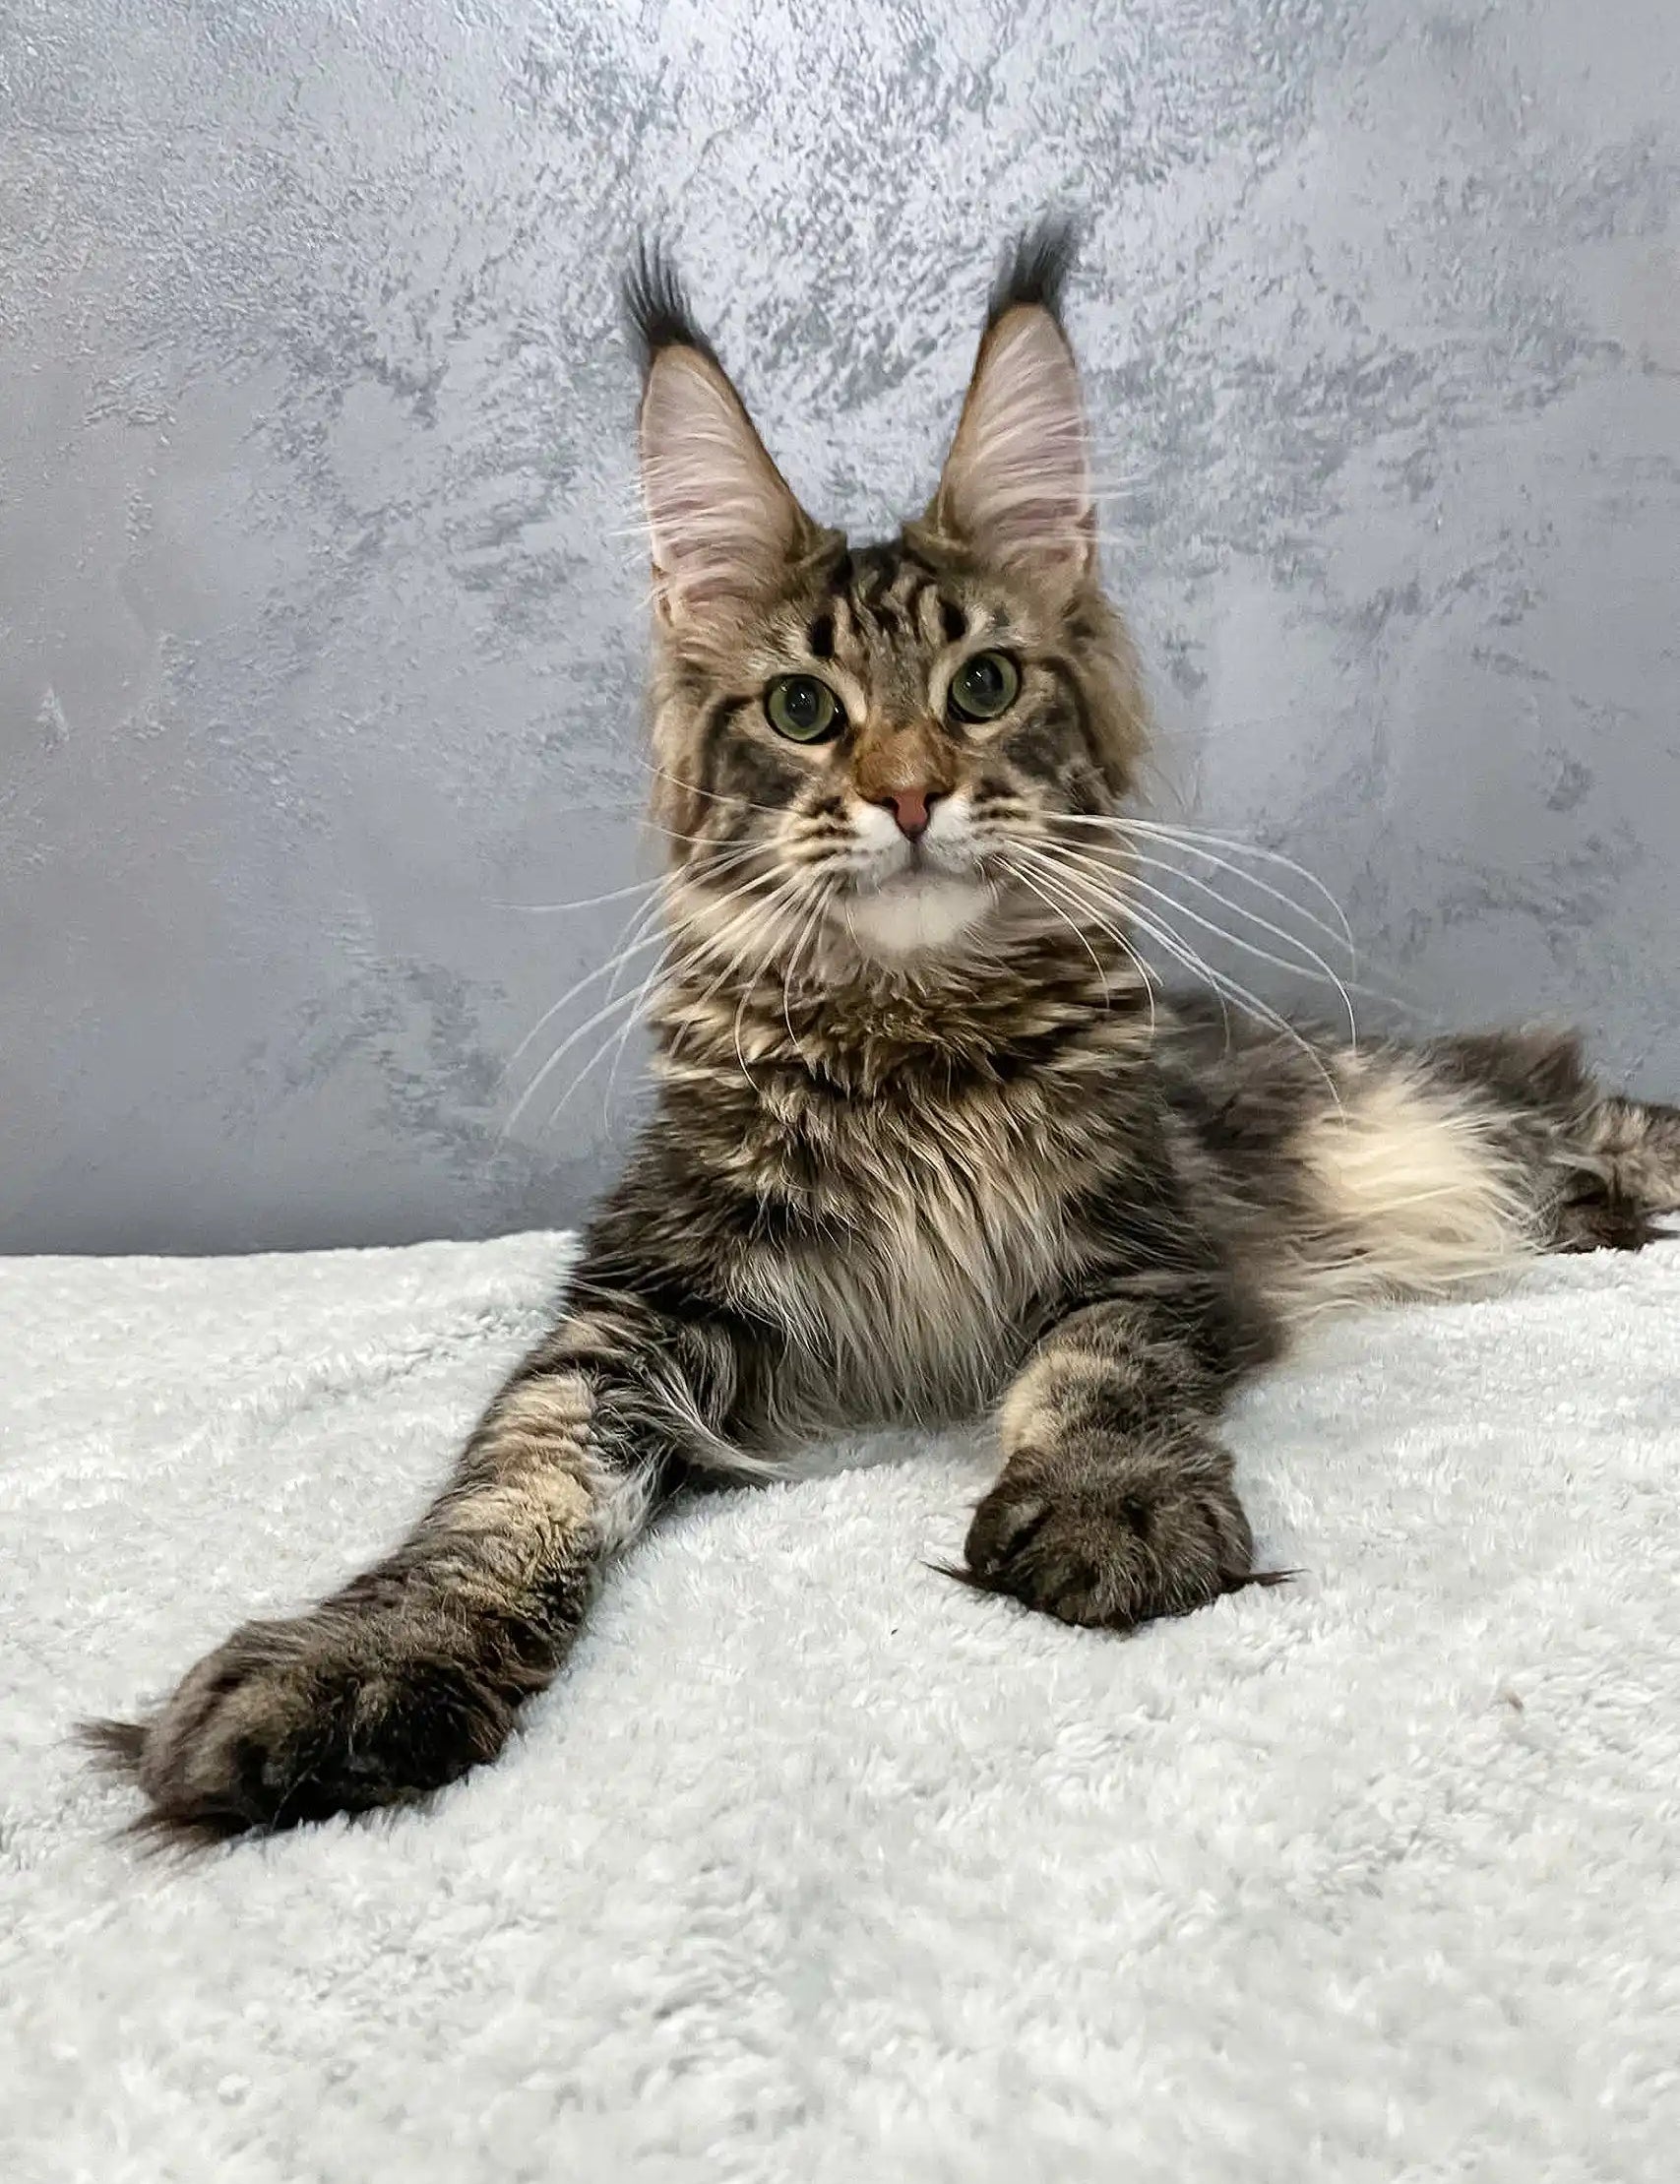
x: 926, y: 1143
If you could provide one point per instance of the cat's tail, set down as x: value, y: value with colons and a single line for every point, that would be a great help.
x: 1445, y: 1165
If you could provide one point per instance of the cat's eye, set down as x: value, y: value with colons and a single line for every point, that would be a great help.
x: 985, y: 686
x: 803, y: 709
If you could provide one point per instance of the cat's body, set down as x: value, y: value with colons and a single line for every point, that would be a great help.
x: 928, y: 1142
x: 893, y: 1254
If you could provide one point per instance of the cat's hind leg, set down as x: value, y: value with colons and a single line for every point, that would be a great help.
x: 1626, y: 1172
x: 1603, y: 1166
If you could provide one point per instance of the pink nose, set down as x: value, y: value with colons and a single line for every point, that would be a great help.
x: 910, y: 809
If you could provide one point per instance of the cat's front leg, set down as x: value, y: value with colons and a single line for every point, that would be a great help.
x: 415, y: 1670
x: 1116, y: 1503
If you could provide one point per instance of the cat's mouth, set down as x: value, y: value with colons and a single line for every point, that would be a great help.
x: 912, y: 865
x: 916, y: 870
x: 917, y: 903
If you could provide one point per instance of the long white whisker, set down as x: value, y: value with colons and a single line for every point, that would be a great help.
x: 693, y: 789
x: 749, y: 983
x: 1314, y: 960
x: 1182, y: 953
x: 1249, y: 1003
x: 1165, y: 902
x: 724, y: 852
x: 623, y: 1038
x: 613, y: 963
x: 659, y: 909
x: 1196, y: 838
x: 650, y: 915
x: 781, y: 897
x: 624, y: 1001
x: 1342, y: 931
x: 1021, y: 873
x: 750, y: 911
x: 807, y: 933
x: 630, y: 1001
x: 1241, y: 910
x: 639, y: 1000
x: 1051, y: 874
x: 587, y: 903
x: 613, y: 966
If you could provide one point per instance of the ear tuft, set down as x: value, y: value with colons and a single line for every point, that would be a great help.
x: 724, y: 526
x: 1016, y: 488
x: 1035, y: 268
x: 656, y: 307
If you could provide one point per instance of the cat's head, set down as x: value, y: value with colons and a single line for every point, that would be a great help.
x: 869, y: 751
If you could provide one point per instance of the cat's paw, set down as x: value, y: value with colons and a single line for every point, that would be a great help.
x: 1112, y: 1537
x: 336, y: 1712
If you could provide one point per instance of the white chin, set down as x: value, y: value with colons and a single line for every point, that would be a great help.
x: 909, y: 916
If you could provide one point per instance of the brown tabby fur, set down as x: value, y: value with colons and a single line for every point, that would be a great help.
x: 927, y: 1143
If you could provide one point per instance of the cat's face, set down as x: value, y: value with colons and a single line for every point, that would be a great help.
x: 868, y: 752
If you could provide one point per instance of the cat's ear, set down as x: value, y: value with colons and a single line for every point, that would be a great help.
x: 1016, y: 489
x: 724, y: 526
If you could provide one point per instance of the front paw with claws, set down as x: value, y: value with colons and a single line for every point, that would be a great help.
x: 335, y: 1712
x: 1112, y: 1535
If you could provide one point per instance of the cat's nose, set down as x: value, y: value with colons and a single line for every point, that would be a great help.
x: 912, y: 808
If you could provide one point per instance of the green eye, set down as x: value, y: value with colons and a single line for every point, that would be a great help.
x: 803, y: 709
x: 985, y: 686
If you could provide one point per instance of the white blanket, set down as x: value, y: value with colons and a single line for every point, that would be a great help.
x: 815, y: 1865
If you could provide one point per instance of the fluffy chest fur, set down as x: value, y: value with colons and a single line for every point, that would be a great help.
x: 906, y: 1229
x: 909, y: 1299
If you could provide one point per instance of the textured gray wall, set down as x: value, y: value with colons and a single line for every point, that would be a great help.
x: 321, y: 599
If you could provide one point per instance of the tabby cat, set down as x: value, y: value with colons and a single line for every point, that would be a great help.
x: 928, y: 1142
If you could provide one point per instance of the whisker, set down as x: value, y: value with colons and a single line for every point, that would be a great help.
x: 1197, y: 844
x: 1050, y: 875
x: 1248, y: 1001
x: 720, y: 847
x: 1181, y: 950
x: 650, y: 915
x: 630, y: 1001
x: 661, y: 908
x: 636, y: 1015
x: 1314, y: 960
x: 693, y: 789
x: 624, y: 1001
x: 613, y: 963
x: 1194, y: 838
x: 747, y: 985
x: 1077, y: 930
x: 613, y: 966
x: 1165, y: 902
x: 635, y: 999
x: 771, y: 911
x: 1242, y: 909
x: 587, y: 902
x: 808, y: 933
x: 781, y: 897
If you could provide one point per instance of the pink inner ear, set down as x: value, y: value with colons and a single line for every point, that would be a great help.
x: 1017, y: 481
x: 723, y: 521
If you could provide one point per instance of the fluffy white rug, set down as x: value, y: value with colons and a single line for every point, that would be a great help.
x: 816, y: 1866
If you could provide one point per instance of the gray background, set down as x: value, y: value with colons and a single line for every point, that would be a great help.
x: 321, y: 605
